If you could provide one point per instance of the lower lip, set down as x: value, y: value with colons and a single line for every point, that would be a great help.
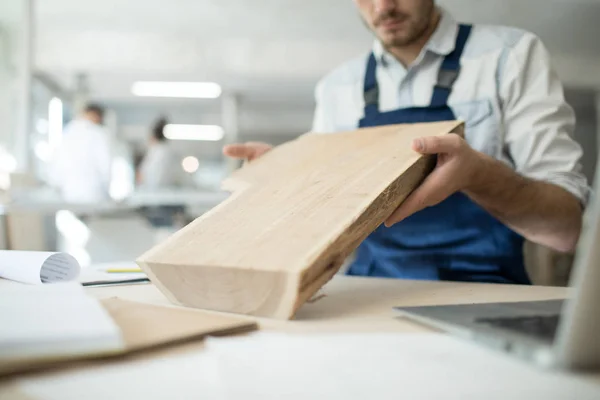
x: 393, y: 25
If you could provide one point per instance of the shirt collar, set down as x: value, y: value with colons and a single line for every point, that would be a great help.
x: 442, y: 42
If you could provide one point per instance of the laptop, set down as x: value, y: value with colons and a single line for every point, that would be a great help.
x: 562, y: 334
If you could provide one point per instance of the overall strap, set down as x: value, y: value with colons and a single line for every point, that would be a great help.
x: 371, y: 89
x: 450, y: 69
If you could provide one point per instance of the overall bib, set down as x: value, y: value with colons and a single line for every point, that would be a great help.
x: 455, y: 240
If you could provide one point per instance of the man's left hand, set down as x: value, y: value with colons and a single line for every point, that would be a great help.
x: 458, y: 166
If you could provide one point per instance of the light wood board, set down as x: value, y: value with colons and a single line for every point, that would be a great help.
x: 295, y: 215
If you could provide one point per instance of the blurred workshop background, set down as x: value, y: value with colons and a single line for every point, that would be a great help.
x: 216, y: 71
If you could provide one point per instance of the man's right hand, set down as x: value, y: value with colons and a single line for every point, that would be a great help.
x: 246, y: 151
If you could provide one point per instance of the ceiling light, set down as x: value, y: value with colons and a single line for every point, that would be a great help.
x: 190, y: 164
x: 198, y: 90
x: 193, y: 132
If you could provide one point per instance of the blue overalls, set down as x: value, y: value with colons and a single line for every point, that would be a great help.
x: 455, y: 240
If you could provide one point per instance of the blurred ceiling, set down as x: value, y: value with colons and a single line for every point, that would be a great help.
x: 266, y: 49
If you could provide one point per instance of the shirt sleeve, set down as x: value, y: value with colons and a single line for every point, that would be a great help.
x: 538, y: 123
x: 323, y: 119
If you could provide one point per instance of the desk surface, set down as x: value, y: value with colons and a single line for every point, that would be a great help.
x: 344, y: 305
x: 365, y: 304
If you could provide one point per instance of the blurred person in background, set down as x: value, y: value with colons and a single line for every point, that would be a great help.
x: 515, y: 175
x: 81, y: 168
x: 160, y: 168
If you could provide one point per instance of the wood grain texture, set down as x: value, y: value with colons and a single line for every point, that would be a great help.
x: 295, y: 215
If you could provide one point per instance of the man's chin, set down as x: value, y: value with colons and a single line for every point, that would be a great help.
x: 394, y: 40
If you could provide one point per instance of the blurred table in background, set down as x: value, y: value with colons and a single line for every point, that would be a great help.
x: 38, y: 219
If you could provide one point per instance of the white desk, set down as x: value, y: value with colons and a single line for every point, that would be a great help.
x: 349, y: 305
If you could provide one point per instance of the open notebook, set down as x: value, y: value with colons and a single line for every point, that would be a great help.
x: 50, y: 322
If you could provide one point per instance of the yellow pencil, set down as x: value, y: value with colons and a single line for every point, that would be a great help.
x: 116, y: 270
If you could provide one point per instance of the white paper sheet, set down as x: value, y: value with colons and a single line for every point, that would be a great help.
x: 267, y: 365
x: 36, y: 267
x: 53, y: 321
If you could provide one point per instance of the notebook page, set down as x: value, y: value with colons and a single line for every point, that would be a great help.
x: 36, y: 267
x: 48, y: 321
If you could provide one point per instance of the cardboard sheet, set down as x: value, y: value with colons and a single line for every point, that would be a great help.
x: 145, y: 327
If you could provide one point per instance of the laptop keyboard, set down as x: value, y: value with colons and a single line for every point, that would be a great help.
x: 541, y: 326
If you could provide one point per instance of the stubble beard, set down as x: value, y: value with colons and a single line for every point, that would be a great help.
x: 416, y: 29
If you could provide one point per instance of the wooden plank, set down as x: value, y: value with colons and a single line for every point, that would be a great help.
x: 295, y: 215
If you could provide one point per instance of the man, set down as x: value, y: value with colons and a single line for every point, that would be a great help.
x: 160, y: 168
x: 515, y: 175
x: 82, y: 162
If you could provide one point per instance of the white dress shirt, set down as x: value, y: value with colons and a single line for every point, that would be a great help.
x: 82, y: 164
x: 507, y: 93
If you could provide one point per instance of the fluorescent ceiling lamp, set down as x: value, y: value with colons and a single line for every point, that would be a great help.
x: 197, y: 90
x: 211, y: 133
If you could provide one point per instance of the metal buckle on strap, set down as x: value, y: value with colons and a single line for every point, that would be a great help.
x: 372, y: 96
x: 446, y: 78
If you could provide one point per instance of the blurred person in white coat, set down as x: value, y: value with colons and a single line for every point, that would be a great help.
x: 81, y: 168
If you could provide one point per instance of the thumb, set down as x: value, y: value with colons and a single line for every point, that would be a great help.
x: 431, y: 192
x: 437, y: 144
x: 238, y: 150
